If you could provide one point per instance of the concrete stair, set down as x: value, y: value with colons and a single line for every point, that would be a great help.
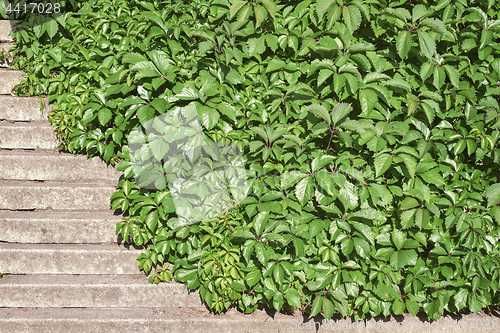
x: 58, y: 227
x: 21, y: 109
x: 96, y: 291
x: 8, y: 79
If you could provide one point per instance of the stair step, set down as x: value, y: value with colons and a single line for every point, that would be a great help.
x: 68, y: 259
x: 46, y: 227
x: 8, y: 79
x: 95, y: 291
x: 24, y: 195
x: 53, y: 165
x: 27, y: 135
x: 5, y: 29
x: 20, y: 109
x: 171, y: 320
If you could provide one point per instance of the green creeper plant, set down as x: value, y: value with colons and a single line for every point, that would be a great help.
x: 369, y: 129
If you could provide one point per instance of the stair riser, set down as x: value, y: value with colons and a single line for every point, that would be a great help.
x: 54, y: 197
x: 8, y: 79
x: 58, y: 231
x: 23, y: 136
x: 20, y: 109
x: 5, y: 29
x: 63, y: 167
x: 102, y: 296
x: 36, y: 261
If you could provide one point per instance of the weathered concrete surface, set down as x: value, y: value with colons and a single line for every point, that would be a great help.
x: 67, y: 259
x: 5, y: 29
x: 53, y: 165
x: 46, y: 227
x: 21, y: 195
x: 8, y: 79
x: 195, y: 320
x: 20, y: 109
x: 93, y: 291
x: 30, y: 135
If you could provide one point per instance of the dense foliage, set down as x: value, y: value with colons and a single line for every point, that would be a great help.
x: 370, y: 133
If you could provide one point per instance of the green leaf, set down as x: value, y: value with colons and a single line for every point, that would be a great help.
x: 386, y: 292
x: 340, y: 111
x: 260, y: 223
x: 362, y: 248
x: 365, y: 230
x: 382, y: 163
x: 253, y: 277
x: 399, y: 83
x: 316, y: 306
x: 352, y: 17
x: 427, y: 44
x: 256, y: 46
x: 328, y: 306
x: 322, y: 6
x: 293, y: 297
x: 434, y: 24
x: 403, y: 43
x: 410, y: 162
x: 242, y: 234
x: 398, y: 307
x: 368, y: 99
x: 412, y: 306
x: 346, y: 246
x: 398, y: 238
x: 402, y: 258
x: 327, y: 182
x: 305, y: 190
x: 208, y: 117
x: 260, y: 15
x: 493, y: 194
x: 461, y: 298
x: 418, y: 12
x: 271, y: 7
x: 235, y: 8
x: 319, y: 111
x: 433, y: 177
x: 399, y: 13
x: 453, y: 75
x: 407, y: 218
x: 104, y: 116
